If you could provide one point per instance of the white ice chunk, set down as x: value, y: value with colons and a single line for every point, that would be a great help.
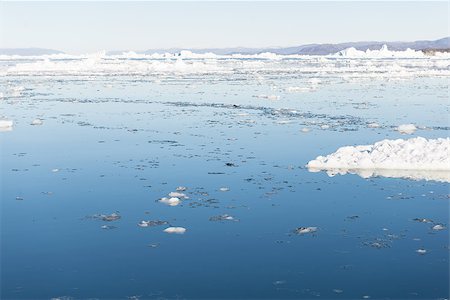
x: 37, y: 122
x: 269, y: 97
x: 421, y: 251
x: 176, y: 230
x: 438, y: 227
x: 415, y: 158
x: 407, y: 128
x: 178, y: 195
x: 384, y: 52
x: 6, y: 123
x: 173, y: 201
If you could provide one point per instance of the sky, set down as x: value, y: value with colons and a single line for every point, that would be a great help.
x: 82, y: 27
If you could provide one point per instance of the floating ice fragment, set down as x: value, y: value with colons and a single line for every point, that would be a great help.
x: 269, y: 97
x: 224, y: 217
x: 373, y: 125
x: 224, y: 189
x: 176, y: 230
x: 6, y: 123
x: 107, y: 227
x: 305, y: 230
x: 16, y: 91
x: 151, y: 223
x: 305, y: 130
x: 296, y: 89
x: 111, y: 217
x: 181, y: 189
x: 143, y: 224
x: 438, y: 227
x: 407, y: 128
x: 55, y: 170
x: 421, y: 251
x: 37, y: 122
x: 173, y: 201
x: 325, y: 126
x: 178, y: 195
x: 423, y: 220
x: 415, y: 158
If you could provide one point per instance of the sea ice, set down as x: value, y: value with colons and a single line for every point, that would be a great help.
x: 37, y: 122
x: 178, y: 195
x: 438, y: 227
x: 415, y: 158
x: 173, y: 201
x: 269, y: 97
x: 151, y: 223
x: 111, y: 217
x: 6, y: 123
x: 224, y: 217
x: 421, y: 251
x: 176, y: 230
x: 384, y: 52
x: 407, y: 128
x: 305, y: 230
x: 373, y: 125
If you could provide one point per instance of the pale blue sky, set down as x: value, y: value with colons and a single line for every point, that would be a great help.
x: 92, y: 26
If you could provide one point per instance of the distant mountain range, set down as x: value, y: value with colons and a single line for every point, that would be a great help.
x: 310, y: 49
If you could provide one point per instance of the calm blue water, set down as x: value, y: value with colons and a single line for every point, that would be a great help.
x: 120, y: 148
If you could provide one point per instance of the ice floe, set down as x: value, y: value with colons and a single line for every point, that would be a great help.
x: 384, y: 52
x: 373, y: 125
x: 176, y: 230
x: 305, y: 130
x: 438, y: 227
x: 224, y: 217
x: 6, y: 124
x: 305, y: 230
x: 151, y: 223
x: 178, y: 195
x: 407, y: 128
x: 415, y: 158
x: 37, y: 122
x: 269, y: 97
x: 172, y: 201
x: 421, y: 251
